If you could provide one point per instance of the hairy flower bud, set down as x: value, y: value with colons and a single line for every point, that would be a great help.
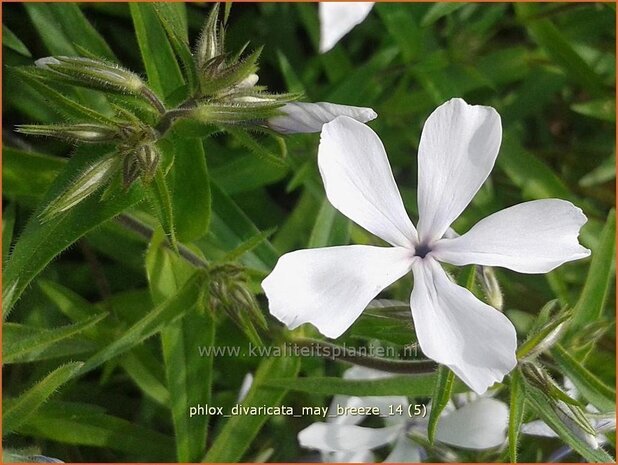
x: 100, y: 75
x: 89, y: 181
x: 89, y: 133
x: 298, y: 117
x: 93, y: 73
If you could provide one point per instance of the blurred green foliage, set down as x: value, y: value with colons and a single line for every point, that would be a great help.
x: 549, y: 70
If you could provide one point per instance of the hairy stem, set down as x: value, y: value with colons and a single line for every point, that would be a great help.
x: 138, y: 227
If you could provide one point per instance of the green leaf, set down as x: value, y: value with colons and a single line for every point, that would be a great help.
x: 63, y: 25
x: 231, y: 227
x: 558, y: 48
x: 173, y: 17
x: 10, y: 40
x: 542, y: 405
x: 8, y: 225
x: 164, y: 75
x: 330, y: 228
x: 604, y: 172
x: 40, y: 242
x: 25, y: 344
x: 593, y: 298
x: 180, y: 342
x: 26, y: 405
x: 445, y: 380
x: 191, y: 198
x: 516, y: 413
x: 78, y: 424
x: 603, y: 109
x: 410, y: 386
x: 238, y: 433
x: 439, y: 10
x: 164, y: 314
x: 587, y: 384
x: 529, y: 173
x: 62, y: 104
x: 161, y: 199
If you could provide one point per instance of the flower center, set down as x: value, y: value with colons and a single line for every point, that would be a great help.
x: 421, y: 250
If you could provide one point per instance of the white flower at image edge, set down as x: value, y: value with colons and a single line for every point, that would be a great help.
x: 330, y: 287
x: 339, y: 18
x: 479, y: 423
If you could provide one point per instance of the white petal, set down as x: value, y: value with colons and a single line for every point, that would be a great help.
x: 301, y: 117
x: 538, y: 428
x: 359, y: 181
x: 330, y: 287
x: 457, y: 151
x: 532, y: 237
x: 480, y: 424
x: 346, y: 456
x: 339, y: 18
x: 331, y: 437
x: 405, y: 451
x: 456, y: 329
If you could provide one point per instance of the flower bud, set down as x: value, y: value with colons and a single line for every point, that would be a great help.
x: 89, y: 133
x: 210, y: 43
x: 298, y: 117
x: 91, y: 73
x: 91, y: 179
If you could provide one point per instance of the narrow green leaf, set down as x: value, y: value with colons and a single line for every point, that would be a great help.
x: 64, y: 22
x: 191, y: 198
x: 74, y: 346
x: 542, y: 404
x: 516, y: 413
x: 40, y: 242
x: 28, y: 175
x: 588, y: 385
x: 593, y: 298
x: 25, y: 344
x: 330, y: 228
x: 180, y: 341
x: 239, y: 431
x: 145, y: 370
x: 439, y: 10
x: 164, y: 314
x: 173, y: 17
x: 162, y: 202
x: 445, y: 381
x: 10, y: 40
x: 62, y: 104
x: 559, y: 48
x: 26, y: 405
x: 411, y: 386
x: 164, y: 75
x: 231, y: 227
x: 604, y: 172
x: 603, y: 109
x: 76, y: 424
x: 247, y: 246
x: 8, y: 225
x: 530, y: 174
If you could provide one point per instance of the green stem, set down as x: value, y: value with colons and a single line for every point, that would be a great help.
x: 142, y: 229
x: 335, y: 352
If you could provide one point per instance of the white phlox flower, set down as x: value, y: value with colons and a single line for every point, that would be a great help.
x: 339, y: 18
x: 479, y: 423
x: 330, y: 287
